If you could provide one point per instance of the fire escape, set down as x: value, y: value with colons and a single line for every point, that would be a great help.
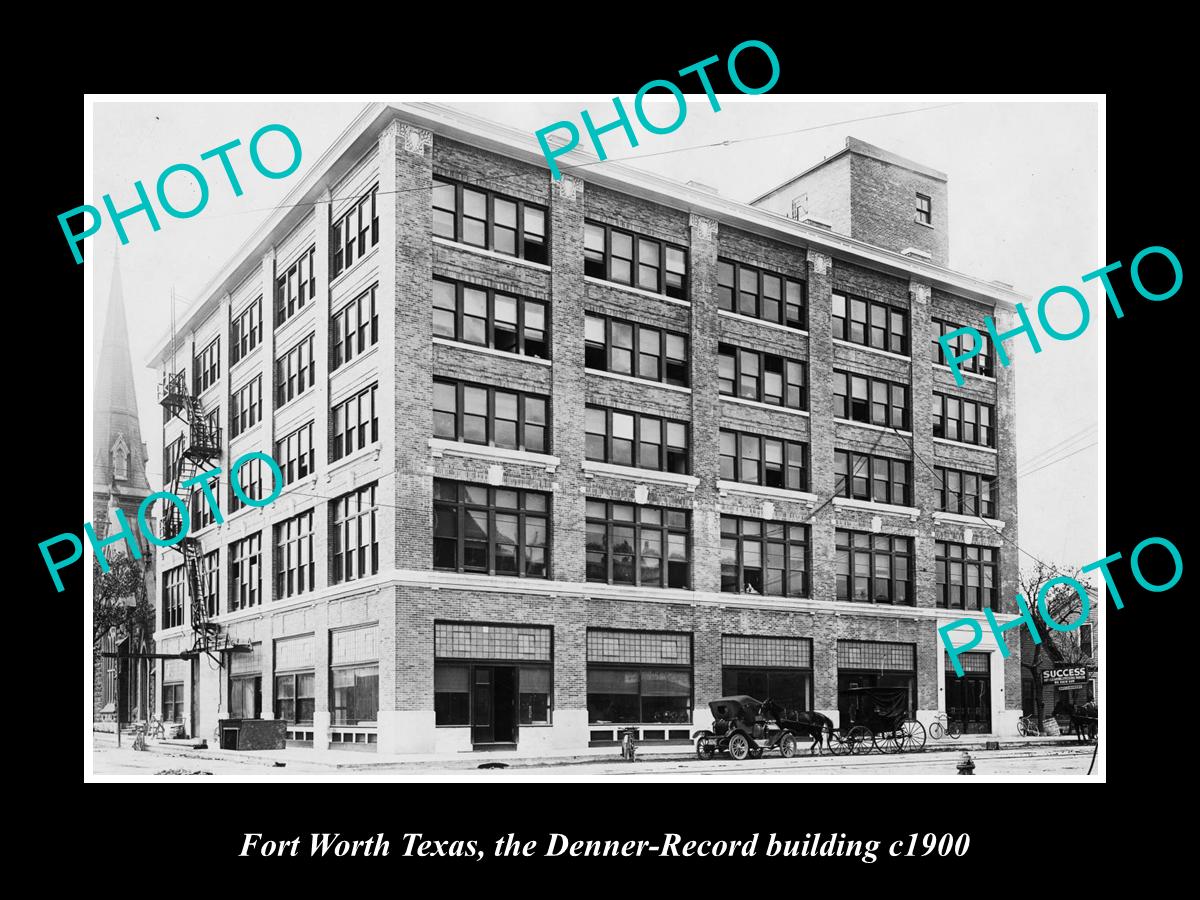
x: 202, y: 443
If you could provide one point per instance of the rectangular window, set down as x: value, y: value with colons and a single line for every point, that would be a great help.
x: 206, y: 367
x: 354, y: 694
x: 642, y: 545
x: 295, y: 371
x: 246, y: 331
x: 295, y: 697
x: 451, y: 694
x: 295, y: 454
x: 635, y: 439
x: 295, y: 286
x: 966, y: 576
x: 611, y: 345
x: 174, y: 597
x: 659, y: 696
x: 245, y: 406
x: 353, y: 232
x: 763, y: 557
x: 251, y: 480
x: 967, y: 493
x: 873, y: 568
x: 210, y: 579
x: 245, y: 572
x: 874, y: 478
x: 752, y: 292
x: 771, y: 462
x: 924, y: 209
x: 965, y: 421
x: 490, y: 220
x: 173, y: 702
x: 763, y: 377
x: 497, y: 531
x: 355, y: 423
x: 353, y: 539
x: 860, y: 398
x: 480, y: 414
x: 656, y: 266
x: 295, y: 568
x: 476, y: 315
x: 871, y: 323
x: 353, y: 329
x: 981, y: 364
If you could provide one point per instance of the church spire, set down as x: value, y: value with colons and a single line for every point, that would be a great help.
x: 118, y: 462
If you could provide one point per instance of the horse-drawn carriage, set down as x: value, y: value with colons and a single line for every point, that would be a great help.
x: 882, y: 723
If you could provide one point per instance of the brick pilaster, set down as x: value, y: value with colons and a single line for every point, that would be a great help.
x: 706, y: 403
x: 567, y: 378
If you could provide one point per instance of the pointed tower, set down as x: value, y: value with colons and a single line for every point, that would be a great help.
x: 119, y: 456
x: 119, y: 482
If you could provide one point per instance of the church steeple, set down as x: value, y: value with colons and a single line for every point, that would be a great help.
x: 118, y: 462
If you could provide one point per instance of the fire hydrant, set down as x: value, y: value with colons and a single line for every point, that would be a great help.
x: 966, y: 765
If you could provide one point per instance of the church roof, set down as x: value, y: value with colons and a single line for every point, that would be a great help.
x: 115, y: 411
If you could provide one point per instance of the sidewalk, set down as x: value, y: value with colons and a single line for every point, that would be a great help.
x: 348, y: 760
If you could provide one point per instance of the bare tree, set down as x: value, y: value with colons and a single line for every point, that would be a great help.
x: 1064, y: 606
x: 119, y: 600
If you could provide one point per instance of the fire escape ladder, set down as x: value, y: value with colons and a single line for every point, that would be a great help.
x: 203, y: 443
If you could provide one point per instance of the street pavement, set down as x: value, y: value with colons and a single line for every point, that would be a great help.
x: 1010, y: 763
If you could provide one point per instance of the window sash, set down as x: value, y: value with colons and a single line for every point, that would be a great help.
x: 644, y: 426
x: 885, y: 480
x: 773, y: 554
x: 862, y: 565
x: 871, y: 323
x: 760, y: 294
x: 654, y: 542
x: 532, y: 432
x: 532, y: 325
x: 670, y: 367
x: 950, y: 420
x: 654, y: 265
x: 498, y: 536
x: 354, y: 538
x: 526, y: 240
x: 353, y: 329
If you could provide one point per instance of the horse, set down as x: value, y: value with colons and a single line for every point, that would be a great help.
x: 1084, y: 721
x: 814, y: 724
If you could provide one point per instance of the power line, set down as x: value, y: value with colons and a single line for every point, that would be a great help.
x: 1060, y: 459
x: 1091, y: 590
x: 1058, y: 446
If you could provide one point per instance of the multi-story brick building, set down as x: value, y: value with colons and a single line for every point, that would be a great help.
x: 564, y: 456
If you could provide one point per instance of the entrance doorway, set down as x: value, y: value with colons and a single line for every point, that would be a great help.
x: 494, y: 707
x: 969, y: 698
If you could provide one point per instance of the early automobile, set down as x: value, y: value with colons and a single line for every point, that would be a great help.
x: 744, y: 727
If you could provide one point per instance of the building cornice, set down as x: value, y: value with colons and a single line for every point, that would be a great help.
x: 520, y: 146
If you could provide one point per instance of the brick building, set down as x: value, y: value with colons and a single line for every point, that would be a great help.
x: 567, y: 456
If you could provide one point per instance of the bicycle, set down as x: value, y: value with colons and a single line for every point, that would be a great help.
x: 628, y: 746
x: 941, y: 726
x: 1027, y: 726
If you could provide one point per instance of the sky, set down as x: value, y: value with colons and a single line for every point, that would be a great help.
x: 1023, y: 210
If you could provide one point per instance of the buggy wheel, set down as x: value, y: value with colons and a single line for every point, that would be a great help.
x: 911, y: 736
x: 1022, y: 727
x: 739, y: 746
x: 954, y: 730
x: 705, y: 748
x: 936, y: 731
x: 787, y: 746
x: 887, y: 742
x: 838, y: 743
x: 859, y: 740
